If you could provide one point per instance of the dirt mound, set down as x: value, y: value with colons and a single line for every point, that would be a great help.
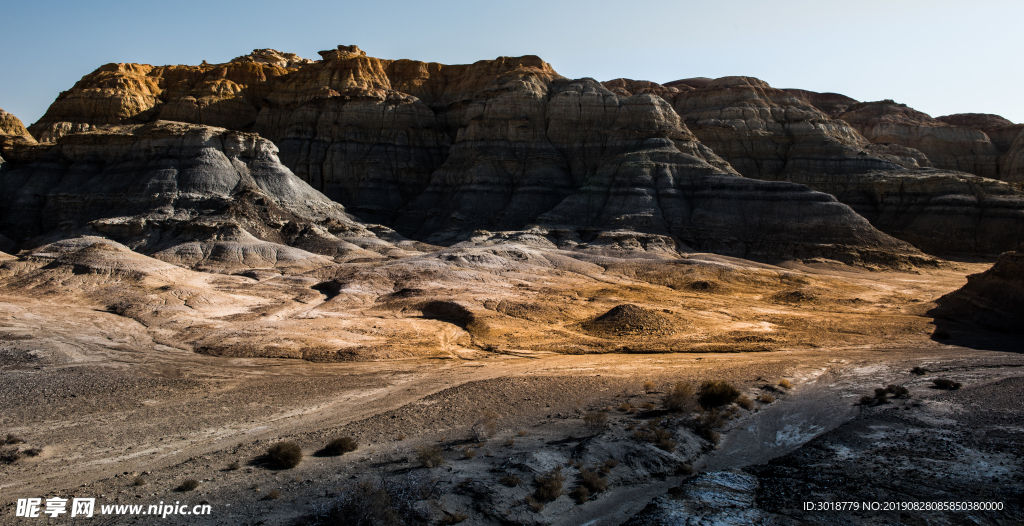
x: 630, y: 320
x: 794, y: 296
x: 529, y: 311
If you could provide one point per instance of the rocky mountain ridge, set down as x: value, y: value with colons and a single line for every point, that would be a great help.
x: 438, y: 151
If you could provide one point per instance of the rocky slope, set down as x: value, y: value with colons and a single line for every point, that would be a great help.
x: 994, y: 298
x: 191, y: 194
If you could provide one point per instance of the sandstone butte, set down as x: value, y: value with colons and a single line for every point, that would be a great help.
x: 438, y: 151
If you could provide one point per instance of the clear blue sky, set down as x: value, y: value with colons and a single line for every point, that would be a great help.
x: 938, y: 56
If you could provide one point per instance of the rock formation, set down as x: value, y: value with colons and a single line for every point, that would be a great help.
x: 13, y: 136
x: 947, y: 146
x: 994, y: 298
x: 437, y: 151
x: 187, y: 192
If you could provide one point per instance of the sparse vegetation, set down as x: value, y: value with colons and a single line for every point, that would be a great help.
x: 384, y: 502
x: 596, y: 419
x: 716, y: 394
x: 10, y: 456
x: 284, y: 455
x: 626, y: 407
x: 648, y: 406
x: 898, y: 391
x: 649, y: 387
x: 609, y: 465
x: 685, y: 470
x: 745, y: 402
x: 534, y: 504
x: 785, y: 384
x: 273, y: 495
x: 138, y: 481
x: 400, y: 437
x: 920, y: 371
x: 234, y: 466
x: 452, y: 518
x: 521, y: 433
x: 947, y: 384
x: 592, y: 481
x: 881, y: 396
x: 549, y: 485
x: 765, y: 398
x: 430, y: 456
x: 188, y: 485
x: 661, y: 438
x: 33, y: 452
x: 468, y: 453
x: 11, y: 439
x: 485, y: 426
x: 340, y: 446
x: 867, y: 400
x: 510, y: 442
x: 580, y: 494
x: 680, y: 399
x: 511, y: 480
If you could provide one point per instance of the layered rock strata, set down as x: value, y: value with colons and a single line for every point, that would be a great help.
x: 949, y: 147
x: 178, y: 187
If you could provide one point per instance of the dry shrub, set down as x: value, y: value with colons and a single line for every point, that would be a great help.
x: 139, y: 481
x: 592, y: 481
x: 549, y: 485
x: 680, y: 399
x: 649, y: 387
x: 785, y: 384
x: 534, y: 504
x: 188, y: 485
x: 511, y: 480
x: 608, y: 465
x: 430, y: 456
x: 384, y: 502
x: 10, y: 456
x: 918, y: 370
x: 580, y: 494
x: 745, y: 402
x: 468, y: 452
x: 234, y: 466
x: 11, y: 439
x: 717, y: 393
x: 626, y: 407
x: 521, y: 433
x: 596, y: 419
x: 340, y: 446
x: 947, y: 384
x: 452, y: 518
x: 765, y: 398
x: 33, y: 452
x: 485, y: 426
x: 648, y: 406
x: 273, y: 495
x: 867, y: 400
x: 284, y: 455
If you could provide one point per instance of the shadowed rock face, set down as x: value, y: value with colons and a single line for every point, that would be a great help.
x: 994, y: 298
x: 159, y: 185
x: 937, y: 211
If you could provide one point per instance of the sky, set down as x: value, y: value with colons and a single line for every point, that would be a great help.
x: 940, y: 57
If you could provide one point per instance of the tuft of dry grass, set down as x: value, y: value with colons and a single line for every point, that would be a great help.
x: 234, y: 466
x: 139, y: 481
x: 745, y: 402
x: 785, y: 384
x: 717, y: 393
x: 430, y: 456
x: 273, y: 495
x: 468, y: 452
x: 340, y: 446
x: 284, y: 455
x: 596, y: 419
x: 680, y: 399
x: 510, y: 480
x: 626, y: 407
x: 549, y: 485
x: 649, y: 387
x: 765, y: 398
x: 188, y: 485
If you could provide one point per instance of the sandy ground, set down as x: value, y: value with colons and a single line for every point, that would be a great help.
x: 119, y: 409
